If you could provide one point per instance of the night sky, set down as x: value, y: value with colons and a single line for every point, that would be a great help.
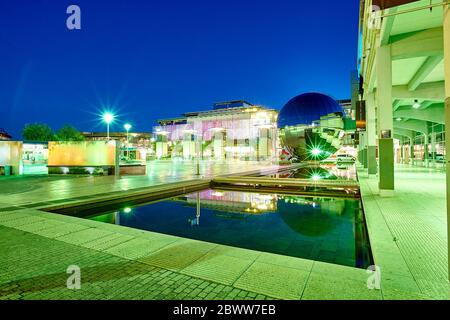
x: 154, y: 59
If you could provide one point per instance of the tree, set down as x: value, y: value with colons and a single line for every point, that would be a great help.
x: 37, y: 132
x: 69, y: 133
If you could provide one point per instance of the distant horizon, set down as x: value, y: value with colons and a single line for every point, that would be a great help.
x: 156, y: 60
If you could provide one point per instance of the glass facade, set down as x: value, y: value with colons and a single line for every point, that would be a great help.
x: 233, y: 133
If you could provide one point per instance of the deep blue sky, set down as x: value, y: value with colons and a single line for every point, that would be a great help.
x: 159, y: 58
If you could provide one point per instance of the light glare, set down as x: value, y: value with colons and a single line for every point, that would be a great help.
x: 108, y: 117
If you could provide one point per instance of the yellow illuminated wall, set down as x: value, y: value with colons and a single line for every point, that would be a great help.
x: 84, y: 153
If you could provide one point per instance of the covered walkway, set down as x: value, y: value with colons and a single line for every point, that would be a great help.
x: 403, y: 100
x: 408, y: 232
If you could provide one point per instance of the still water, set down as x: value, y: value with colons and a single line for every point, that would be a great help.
x: 324, y: 229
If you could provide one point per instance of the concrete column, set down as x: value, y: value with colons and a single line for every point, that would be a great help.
x: 426, y: 141
x: 275, y: 141
x: 385, y: 120
x: 189, y: 151
x: 263, y: 152
x: 218, y: 145
x: 433, y: 147
x: 117, y: 159
x: 446, y: 28
x: 371, y: 134
x: 411, y: 150
x: 161, y: 146
x: 402, y: 152
x: 362, y: 149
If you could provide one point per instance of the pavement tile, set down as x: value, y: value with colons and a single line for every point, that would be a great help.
x: 327, y: 287
x: 285, y: 261
x: 216, y: 267
x: 84, y: 236
x: 272, y: 280
x: 138, y: 247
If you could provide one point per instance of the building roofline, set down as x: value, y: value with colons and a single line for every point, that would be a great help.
x: 104, y: 134
x: 223, y: 111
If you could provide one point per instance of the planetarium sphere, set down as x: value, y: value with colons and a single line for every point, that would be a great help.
x: 311, y: 127
x: 307, y: 108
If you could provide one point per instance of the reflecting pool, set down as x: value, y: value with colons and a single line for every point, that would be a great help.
x: 324, y: 229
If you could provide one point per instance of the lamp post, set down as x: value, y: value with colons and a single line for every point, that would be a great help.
x: 127, y: 127
x: 108, y: 117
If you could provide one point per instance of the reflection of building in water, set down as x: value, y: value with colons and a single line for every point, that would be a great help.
x: 232, y: 130
x: 331, y: 206
x: 314, y: 216
x: 236, y: 202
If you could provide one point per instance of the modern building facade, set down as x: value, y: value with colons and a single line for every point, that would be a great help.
x: 234, y: 130
x: 402, y: 61
x: 404, y: 68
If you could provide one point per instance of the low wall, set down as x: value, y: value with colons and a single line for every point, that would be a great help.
x: 83, y: 157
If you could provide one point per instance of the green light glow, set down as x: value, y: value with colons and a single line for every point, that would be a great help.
x: 316, y: 177
x: 316, y: 151
x: 127, y: 210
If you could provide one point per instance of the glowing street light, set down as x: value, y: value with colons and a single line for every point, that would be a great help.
x: 127, y: 127
x: 108, y: 117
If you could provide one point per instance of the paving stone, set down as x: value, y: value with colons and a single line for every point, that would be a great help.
x: 272, y: 280
x: 175, y: 256
x: 84, y: 236
x: 322, y: 287
x: 107, y: 242
x: 285, y: 261
x: 218, y: 268
x: 138, y: 247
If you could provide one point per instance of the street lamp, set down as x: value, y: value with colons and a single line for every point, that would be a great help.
x: 108, y: 117
x: 127, y: 127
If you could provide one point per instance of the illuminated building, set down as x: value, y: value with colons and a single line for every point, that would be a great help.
x: 139, y: 146
x: 35, y: 152
x: 235, y: 130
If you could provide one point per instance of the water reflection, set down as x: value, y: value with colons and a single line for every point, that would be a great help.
x: 324, y: 229
x: 232, y: 201
x: 322, y: 172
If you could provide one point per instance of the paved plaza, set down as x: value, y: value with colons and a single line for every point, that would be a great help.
x: 22, y: 190
x: 408, y: 239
